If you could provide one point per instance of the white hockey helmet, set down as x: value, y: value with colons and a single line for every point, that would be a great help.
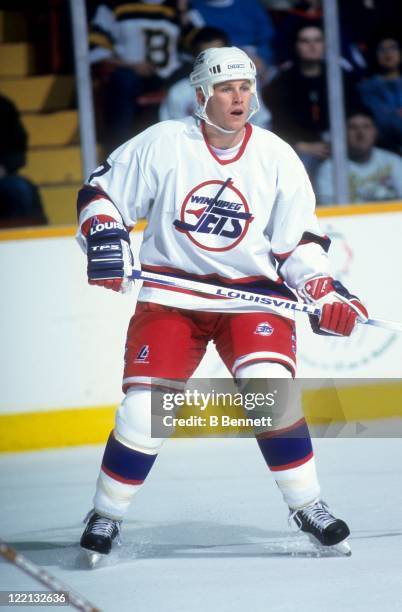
x: 217, y: 65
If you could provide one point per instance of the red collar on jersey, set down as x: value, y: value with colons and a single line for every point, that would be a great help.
x: 239, y: 153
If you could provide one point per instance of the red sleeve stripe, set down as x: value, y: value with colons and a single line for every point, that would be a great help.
x: 307, y: 237
x: 88, y: 194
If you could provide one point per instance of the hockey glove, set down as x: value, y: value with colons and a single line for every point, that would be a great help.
x: 109, y: 255
x: 339, y: 309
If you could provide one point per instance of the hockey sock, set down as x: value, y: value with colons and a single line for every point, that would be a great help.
x: 299, y: 485
x: 289, y: 455
x: 123, y: 471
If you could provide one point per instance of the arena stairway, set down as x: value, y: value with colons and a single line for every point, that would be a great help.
x: 46, y: 104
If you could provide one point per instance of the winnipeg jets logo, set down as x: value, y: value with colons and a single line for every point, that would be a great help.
x: 264, y: 329
x: 214, y: 215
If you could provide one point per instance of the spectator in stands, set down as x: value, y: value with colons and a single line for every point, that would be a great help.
x: 382, y: 93
x: 20, y: 203
x: 310, y: 13
x: 297, y: 98
x: 246, y: 23
x: 133, y: 50
x: 374, y: 174
x: 181, y: 101
x: 301, y: 13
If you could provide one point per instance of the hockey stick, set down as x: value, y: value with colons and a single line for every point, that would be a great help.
x: 259, y: 302
x: 52, y: 583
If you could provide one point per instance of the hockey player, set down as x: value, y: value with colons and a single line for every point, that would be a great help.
x: 260, y: 234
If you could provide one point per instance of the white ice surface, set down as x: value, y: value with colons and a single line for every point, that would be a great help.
x: 209, y: 532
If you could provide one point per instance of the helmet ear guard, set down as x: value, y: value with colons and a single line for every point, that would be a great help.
x: 217, y: 65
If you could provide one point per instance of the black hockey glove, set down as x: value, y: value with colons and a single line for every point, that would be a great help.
x: 110, y: 260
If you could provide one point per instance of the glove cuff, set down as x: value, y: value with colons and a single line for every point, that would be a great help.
x: 99, y: 227
x: 107, y: 231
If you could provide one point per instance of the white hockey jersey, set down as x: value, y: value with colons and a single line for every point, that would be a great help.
x: 259, y: 233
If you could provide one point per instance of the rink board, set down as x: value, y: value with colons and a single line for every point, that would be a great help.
x: 63, y: 341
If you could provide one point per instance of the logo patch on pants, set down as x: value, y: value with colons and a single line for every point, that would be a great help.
x: 143, y: 354
x: 264, y: 329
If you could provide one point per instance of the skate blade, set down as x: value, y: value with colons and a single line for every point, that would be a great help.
x: 94, y: 558
x: 342, y: 549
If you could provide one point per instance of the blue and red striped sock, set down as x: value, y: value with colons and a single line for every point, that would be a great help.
x: 125, y: 464
x: 286, y: 448
x: 289, y: 455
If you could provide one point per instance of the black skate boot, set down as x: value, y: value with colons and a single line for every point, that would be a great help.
x: 98, y: 536
x: 322, y: 527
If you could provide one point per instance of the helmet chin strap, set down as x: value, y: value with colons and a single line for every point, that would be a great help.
x: 205, y: 118
x: 202, y: 114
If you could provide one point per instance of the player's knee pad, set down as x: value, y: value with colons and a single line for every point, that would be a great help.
x: 133, y: 421
x: 263, y: 369
x: 275, y: 381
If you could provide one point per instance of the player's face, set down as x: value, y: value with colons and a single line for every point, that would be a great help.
x: 229, y: 106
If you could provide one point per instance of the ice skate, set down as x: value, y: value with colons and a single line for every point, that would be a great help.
x: 98, y: 536
x: 323, y: 529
